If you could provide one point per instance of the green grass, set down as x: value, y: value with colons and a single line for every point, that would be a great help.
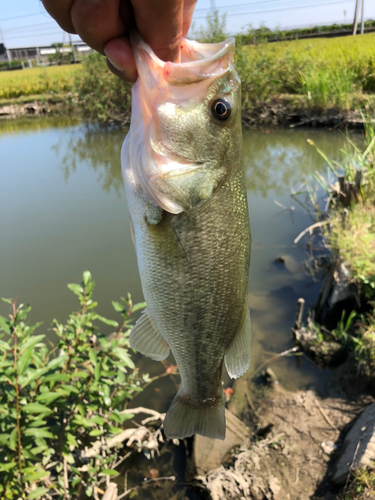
x: 329, y: 73
x: 365, y: 350
x: 361, y: 486
x: 353, y: 237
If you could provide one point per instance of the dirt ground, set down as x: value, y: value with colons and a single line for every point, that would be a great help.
x: 293, y: 453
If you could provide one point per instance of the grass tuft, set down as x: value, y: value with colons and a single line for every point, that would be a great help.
x: 353, y: 236
x: 361, y: 486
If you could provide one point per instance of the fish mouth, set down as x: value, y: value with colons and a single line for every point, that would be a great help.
x: 199, y: 61
x: 170, y: 113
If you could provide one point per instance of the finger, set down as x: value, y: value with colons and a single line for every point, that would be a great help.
x: 60, y: 11
x: 188, y: 11
x: 120, y: 59
x: 97, y: 21
x: 160, y: 24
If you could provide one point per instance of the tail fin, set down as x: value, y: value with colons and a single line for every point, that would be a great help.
x: 183, y: 420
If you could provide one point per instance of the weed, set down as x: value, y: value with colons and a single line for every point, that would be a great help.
x: 365, y: 350
x: 214, y: 31
x: 326, y: 88
x: 341, y: 332
x: 99, y: 94
x: 361, y: 486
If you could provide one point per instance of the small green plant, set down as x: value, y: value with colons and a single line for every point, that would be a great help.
x: 58, y: 403
x: 341, y: 332
x: 215, y: 29
x: 357, y: 165
x: 361, y: 485
x: 352, y: 236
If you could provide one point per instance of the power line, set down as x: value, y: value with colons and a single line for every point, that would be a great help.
x: 31, y: 26
x: 35, y: 36
x: 304, y: 6
x: 240, y: 5
x: 23, y: 15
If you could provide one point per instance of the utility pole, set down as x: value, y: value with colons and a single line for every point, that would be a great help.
x: 6, y: 50
x: 72, y: 47
x: 355, y: 22
x: 212, y: 5
x: 363, y: 19
x: 62, y: 49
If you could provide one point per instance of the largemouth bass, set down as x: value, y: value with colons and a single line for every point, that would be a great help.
x: 185, y: 187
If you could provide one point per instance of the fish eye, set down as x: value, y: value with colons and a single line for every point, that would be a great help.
x: 221, y: 109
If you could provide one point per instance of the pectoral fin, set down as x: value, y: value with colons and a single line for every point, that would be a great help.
x: 238, y: 355
x: 146, y: 338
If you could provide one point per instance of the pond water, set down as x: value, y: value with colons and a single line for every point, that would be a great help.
x: 63, y: 210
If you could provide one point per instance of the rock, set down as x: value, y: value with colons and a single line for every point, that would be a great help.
x: 358, y: 448
x: 208, y: 454
x: 280, y: 260
x: 274, y: 484
x: 328, y: 447
x: 341, y: 288
x: 111, y: 492
x: 154, y: 473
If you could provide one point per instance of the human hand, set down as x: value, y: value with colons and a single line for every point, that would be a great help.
x: 104, y: 25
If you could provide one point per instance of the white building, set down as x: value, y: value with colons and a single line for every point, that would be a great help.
x: 42, y: 52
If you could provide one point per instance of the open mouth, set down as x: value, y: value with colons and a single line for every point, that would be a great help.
x: 198, y: 61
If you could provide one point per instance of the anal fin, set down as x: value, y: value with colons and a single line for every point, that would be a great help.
x: 238, y: 355
x: 146, y: 339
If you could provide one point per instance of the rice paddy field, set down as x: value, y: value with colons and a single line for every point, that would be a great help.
x: 35, y: 81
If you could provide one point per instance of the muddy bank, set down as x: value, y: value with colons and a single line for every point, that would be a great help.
x: 290, y: 112
x: 33, y: 107
x: 285, y: 111
x: 294, y: 449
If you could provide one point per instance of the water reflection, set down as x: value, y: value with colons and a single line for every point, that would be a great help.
x: 99, y: 147
x: 24, y: 125
x: 279, y: 159
x: 274, y: 160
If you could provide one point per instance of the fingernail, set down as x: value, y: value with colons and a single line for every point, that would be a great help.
x: 113, y: 63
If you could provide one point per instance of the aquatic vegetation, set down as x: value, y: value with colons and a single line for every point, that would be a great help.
x: 62, y: 406
x: 351, y: 230
x: 33, y: 81
x: 348, y: 228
